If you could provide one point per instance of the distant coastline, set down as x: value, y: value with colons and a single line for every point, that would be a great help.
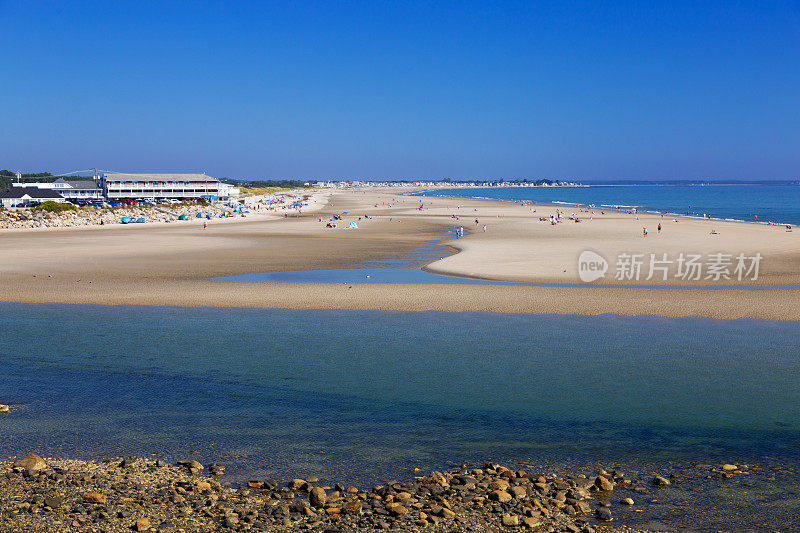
x: 773, y: 204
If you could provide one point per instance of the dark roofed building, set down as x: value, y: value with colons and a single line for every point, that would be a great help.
x: 27, y: 196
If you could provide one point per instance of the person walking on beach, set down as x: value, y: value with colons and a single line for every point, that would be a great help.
x: 205, y: 224
x: 659, y: 228
x: 644, y: 230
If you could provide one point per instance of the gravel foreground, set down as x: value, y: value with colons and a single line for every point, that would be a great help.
x: 143, y: 495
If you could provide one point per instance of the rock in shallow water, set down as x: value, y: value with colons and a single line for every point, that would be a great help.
x: 603, y: 514
x: 603, y: 484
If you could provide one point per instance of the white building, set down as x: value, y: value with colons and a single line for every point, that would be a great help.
x: 79, y: 190
x: 118, y: 186
x: 28, y: 196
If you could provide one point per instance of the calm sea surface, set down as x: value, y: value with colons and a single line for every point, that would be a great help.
x: 762, y: 203
x: 359, y: 396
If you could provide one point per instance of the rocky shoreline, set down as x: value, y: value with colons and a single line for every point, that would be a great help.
x: 25, y: 218
x: 137, y: 494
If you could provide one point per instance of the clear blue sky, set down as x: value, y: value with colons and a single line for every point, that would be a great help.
x: 588, y: 90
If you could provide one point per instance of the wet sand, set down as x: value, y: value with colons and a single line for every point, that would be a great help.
x: 169, y: 264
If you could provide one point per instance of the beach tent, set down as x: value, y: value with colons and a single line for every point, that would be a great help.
x: 199, y: 215
x: 140, y: 220
x: 353, y: 225
x: 183, y: 217
x: 126, y: 220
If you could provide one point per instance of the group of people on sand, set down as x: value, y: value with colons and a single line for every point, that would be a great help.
x: 559, y: 217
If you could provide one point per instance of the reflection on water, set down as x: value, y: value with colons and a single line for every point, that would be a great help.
x: 361, y: 395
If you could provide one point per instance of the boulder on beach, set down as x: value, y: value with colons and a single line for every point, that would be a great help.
x: 31, y: 462
x: 510, y: 520
x: 193, y: 466
x: 94, y: 497
x: 500, y: 496
x: 317, y: 497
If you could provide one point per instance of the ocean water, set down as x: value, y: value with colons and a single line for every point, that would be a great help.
x: 362, y: 396
x: 750, y: 203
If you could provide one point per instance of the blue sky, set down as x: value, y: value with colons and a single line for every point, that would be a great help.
x: 585, y: 90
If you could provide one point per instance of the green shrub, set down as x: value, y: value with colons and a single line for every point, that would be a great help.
x: 54, y: 207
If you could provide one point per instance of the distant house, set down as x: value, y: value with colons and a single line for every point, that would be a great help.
x: 28, y: 196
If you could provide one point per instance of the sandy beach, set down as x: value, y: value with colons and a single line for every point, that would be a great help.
x: 169, y: 264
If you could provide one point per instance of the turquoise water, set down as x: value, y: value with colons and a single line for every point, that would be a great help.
x: 751, y: 203
x: 360, y: 396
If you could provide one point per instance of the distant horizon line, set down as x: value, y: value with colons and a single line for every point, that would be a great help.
x: 586, y: 181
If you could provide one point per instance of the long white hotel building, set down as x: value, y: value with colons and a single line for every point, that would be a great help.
x: 118, y: 186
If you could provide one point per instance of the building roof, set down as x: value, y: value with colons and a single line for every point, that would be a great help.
x: 158, y: 177
x: 31, y: 192
x: 87, y: 184
x: 78, y: 184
